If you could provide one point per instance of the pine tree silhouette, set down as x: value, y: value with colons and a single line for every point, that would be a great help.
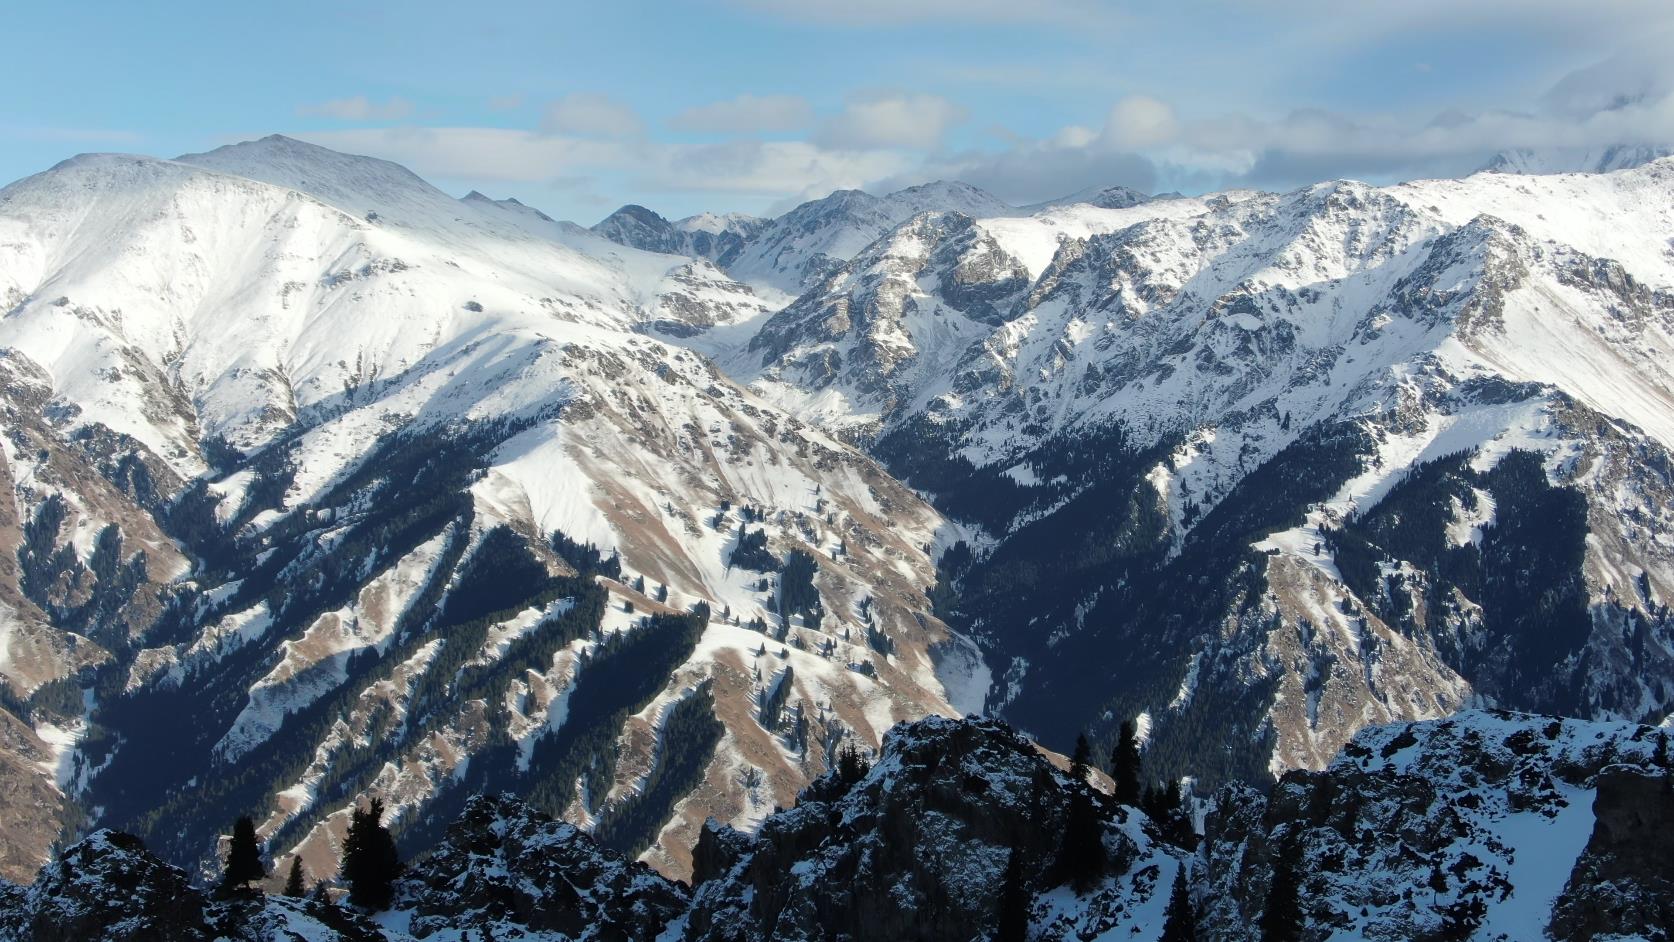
x: 1078, y: 761
x: 1180, y: 920
x: 1012, y: 924
x: 1124, y: 764
x: 851, y: 765
x: 370, y: 862
x: 293, y: 883
x: 1081, y: 854
x: 244, y: 856
x: 1282, y: 919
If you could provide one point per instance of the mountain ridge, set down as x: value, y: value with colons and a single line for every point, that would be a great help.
x: 367, y: 479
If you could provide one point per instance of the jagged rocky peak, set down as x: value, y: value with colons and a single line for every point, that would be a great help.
x: 1272, y: 370
x: 641, y: 228
x: 796, y: 250
x: 716, y: 238
x: 1103, y: 197
x: 106, y: 886
x: 1485, y: 825
x: 505, y: 869
x: 916, y: 848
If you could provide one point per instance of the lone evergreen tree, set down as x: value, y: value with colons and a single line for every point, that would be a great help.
x: 1124, y: 764
x: 1081, y: 855
x: 1012, y: 924
x: 1281, y: 919
x: 293, y: 882
x: 1179, y: 920
x: 244, y: 856
x: 370, y: 863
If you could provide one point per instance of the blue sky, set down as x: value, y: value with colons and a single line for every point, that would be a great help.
x: 752, y: 105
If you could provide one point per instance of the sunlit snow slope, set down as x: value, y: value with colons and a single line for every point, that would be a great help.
x: 302, y: 458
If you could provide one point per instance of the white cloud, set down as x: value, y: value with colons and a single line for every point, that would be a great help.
x: 1642, y: 72
x: 592, y: 115
x: 760, y: 168
x: 1138, y: 122
x: 469, y: 153
x: 358, y: 108
x: 883, y: 120
x: 882, y: 140
x: 746, y: 114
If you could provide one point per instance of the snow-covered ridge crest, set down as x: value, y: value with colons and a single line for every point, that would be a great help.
x: 303, y: 410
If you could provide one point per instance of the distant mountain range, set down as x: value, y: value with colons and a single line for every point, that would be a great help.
x: 326, y: 484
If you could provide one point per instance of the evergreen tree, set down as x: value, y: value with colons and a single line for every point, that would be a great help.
x: 1124, y: 764
x: 1078, y: 761
x: 293, y: 882
x: 851, y: 765
x: 1012, y: 924
x: 244, y: 856
x: 1180, y: 920
x: 1177, y: 821
x: 1154, y: 802
x: 370, y: 863
x: 1081, y: 855
x: 1281, y: 919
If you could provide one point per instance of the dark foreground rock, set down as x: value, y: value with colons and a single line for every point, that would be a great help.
x: 1483, y: 826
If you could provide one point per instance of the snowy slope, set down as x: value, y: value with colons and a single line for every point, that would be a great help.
x: 239, y: 355
x: 1218, y: 339
x: 792, y: 252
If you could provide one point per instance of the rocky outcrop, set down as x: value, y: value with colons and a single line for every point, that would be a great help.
x: 106, y: 887
x: 504, y: 868
x: 1624, y: 882
x: 1488, y: 825
x: 1461, y: 828
x: 916, y: 849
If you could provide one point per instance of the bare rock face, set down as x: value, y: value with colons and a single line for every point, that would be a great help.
x: 1624, y: 882
x: 1455, y: 829
x: 107, y: 887
x: 917, y: 848
x: 506, y: 869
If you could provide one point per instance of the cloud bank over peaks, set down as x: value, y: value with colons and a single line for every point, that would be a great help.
x: 764, y: 152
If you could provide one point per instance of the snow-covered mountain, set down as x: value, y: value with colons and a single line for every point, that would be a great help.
x: 320, y: 481
x: 794, y: 251
x: 720, y: 239
x: 326, y: 483
x: 1575, y: 160
x: 1193, y: 432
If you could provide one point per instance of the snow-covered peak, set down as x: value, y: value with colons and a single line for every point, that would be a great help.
x: 358, y: 185
x: 792, y: 252
x: 1525, y: 160
x: 1104, y: 197
x: 948, y: 195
